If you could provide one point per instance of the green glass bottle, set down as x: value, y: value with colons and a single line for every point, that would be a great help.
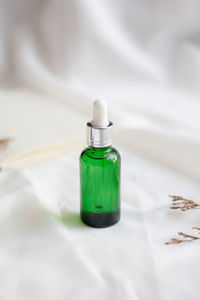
x: 100, y: 174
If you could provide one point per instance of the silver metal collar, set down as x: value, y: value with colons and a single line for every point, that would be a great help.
x: 99, y: 137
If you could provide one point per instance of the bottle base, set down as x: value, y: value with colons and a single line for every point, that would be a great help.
x: 100, y: 220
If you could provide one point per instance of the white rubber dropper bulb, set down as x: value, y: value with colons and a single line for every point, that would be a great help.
x: 100, y: 114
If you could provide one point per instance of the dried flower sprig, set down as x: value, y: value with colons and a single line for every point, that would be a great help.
x: 178, y: 202
x: 4, y: 143
x: 187, y: 238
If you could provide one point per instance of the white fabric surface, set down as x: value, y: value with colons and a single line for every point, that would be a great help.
x: 143, y: 57
x: 41, y: 258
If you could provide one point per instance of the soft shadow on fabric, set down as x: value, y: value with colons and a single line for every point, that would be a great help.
x: 72, y: 220
x: 67, y: 218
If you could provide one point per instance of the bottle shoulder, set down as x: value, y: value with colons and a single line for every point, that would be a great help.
x: 100, y: 153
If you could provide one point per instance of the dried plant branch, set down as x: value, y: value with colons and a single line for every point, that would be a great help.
x: 197, y: 228
x: 187, y: 238
x: 4, y: 143
x: 178, y: 202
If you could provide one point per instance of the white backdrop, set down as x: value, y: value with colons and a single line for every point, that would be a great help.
x: 95, y: 45
x: 143, y: 58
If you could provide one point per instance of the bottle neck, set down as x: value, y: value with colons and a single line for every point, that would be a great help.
x: 94, y: 152
x: 102, y: 149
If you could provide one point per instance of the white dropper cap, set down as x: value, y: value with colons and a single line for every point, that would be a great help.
x: 99, y: 129
x: 100, y: 114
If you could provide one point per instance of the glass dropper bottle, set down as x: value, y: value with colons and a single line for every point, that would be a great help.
x: 100, y: 172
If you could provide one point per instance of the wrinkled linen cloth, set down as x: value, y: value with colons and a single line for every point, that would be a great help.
x: 47, y: 253
x: 143, y: 58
